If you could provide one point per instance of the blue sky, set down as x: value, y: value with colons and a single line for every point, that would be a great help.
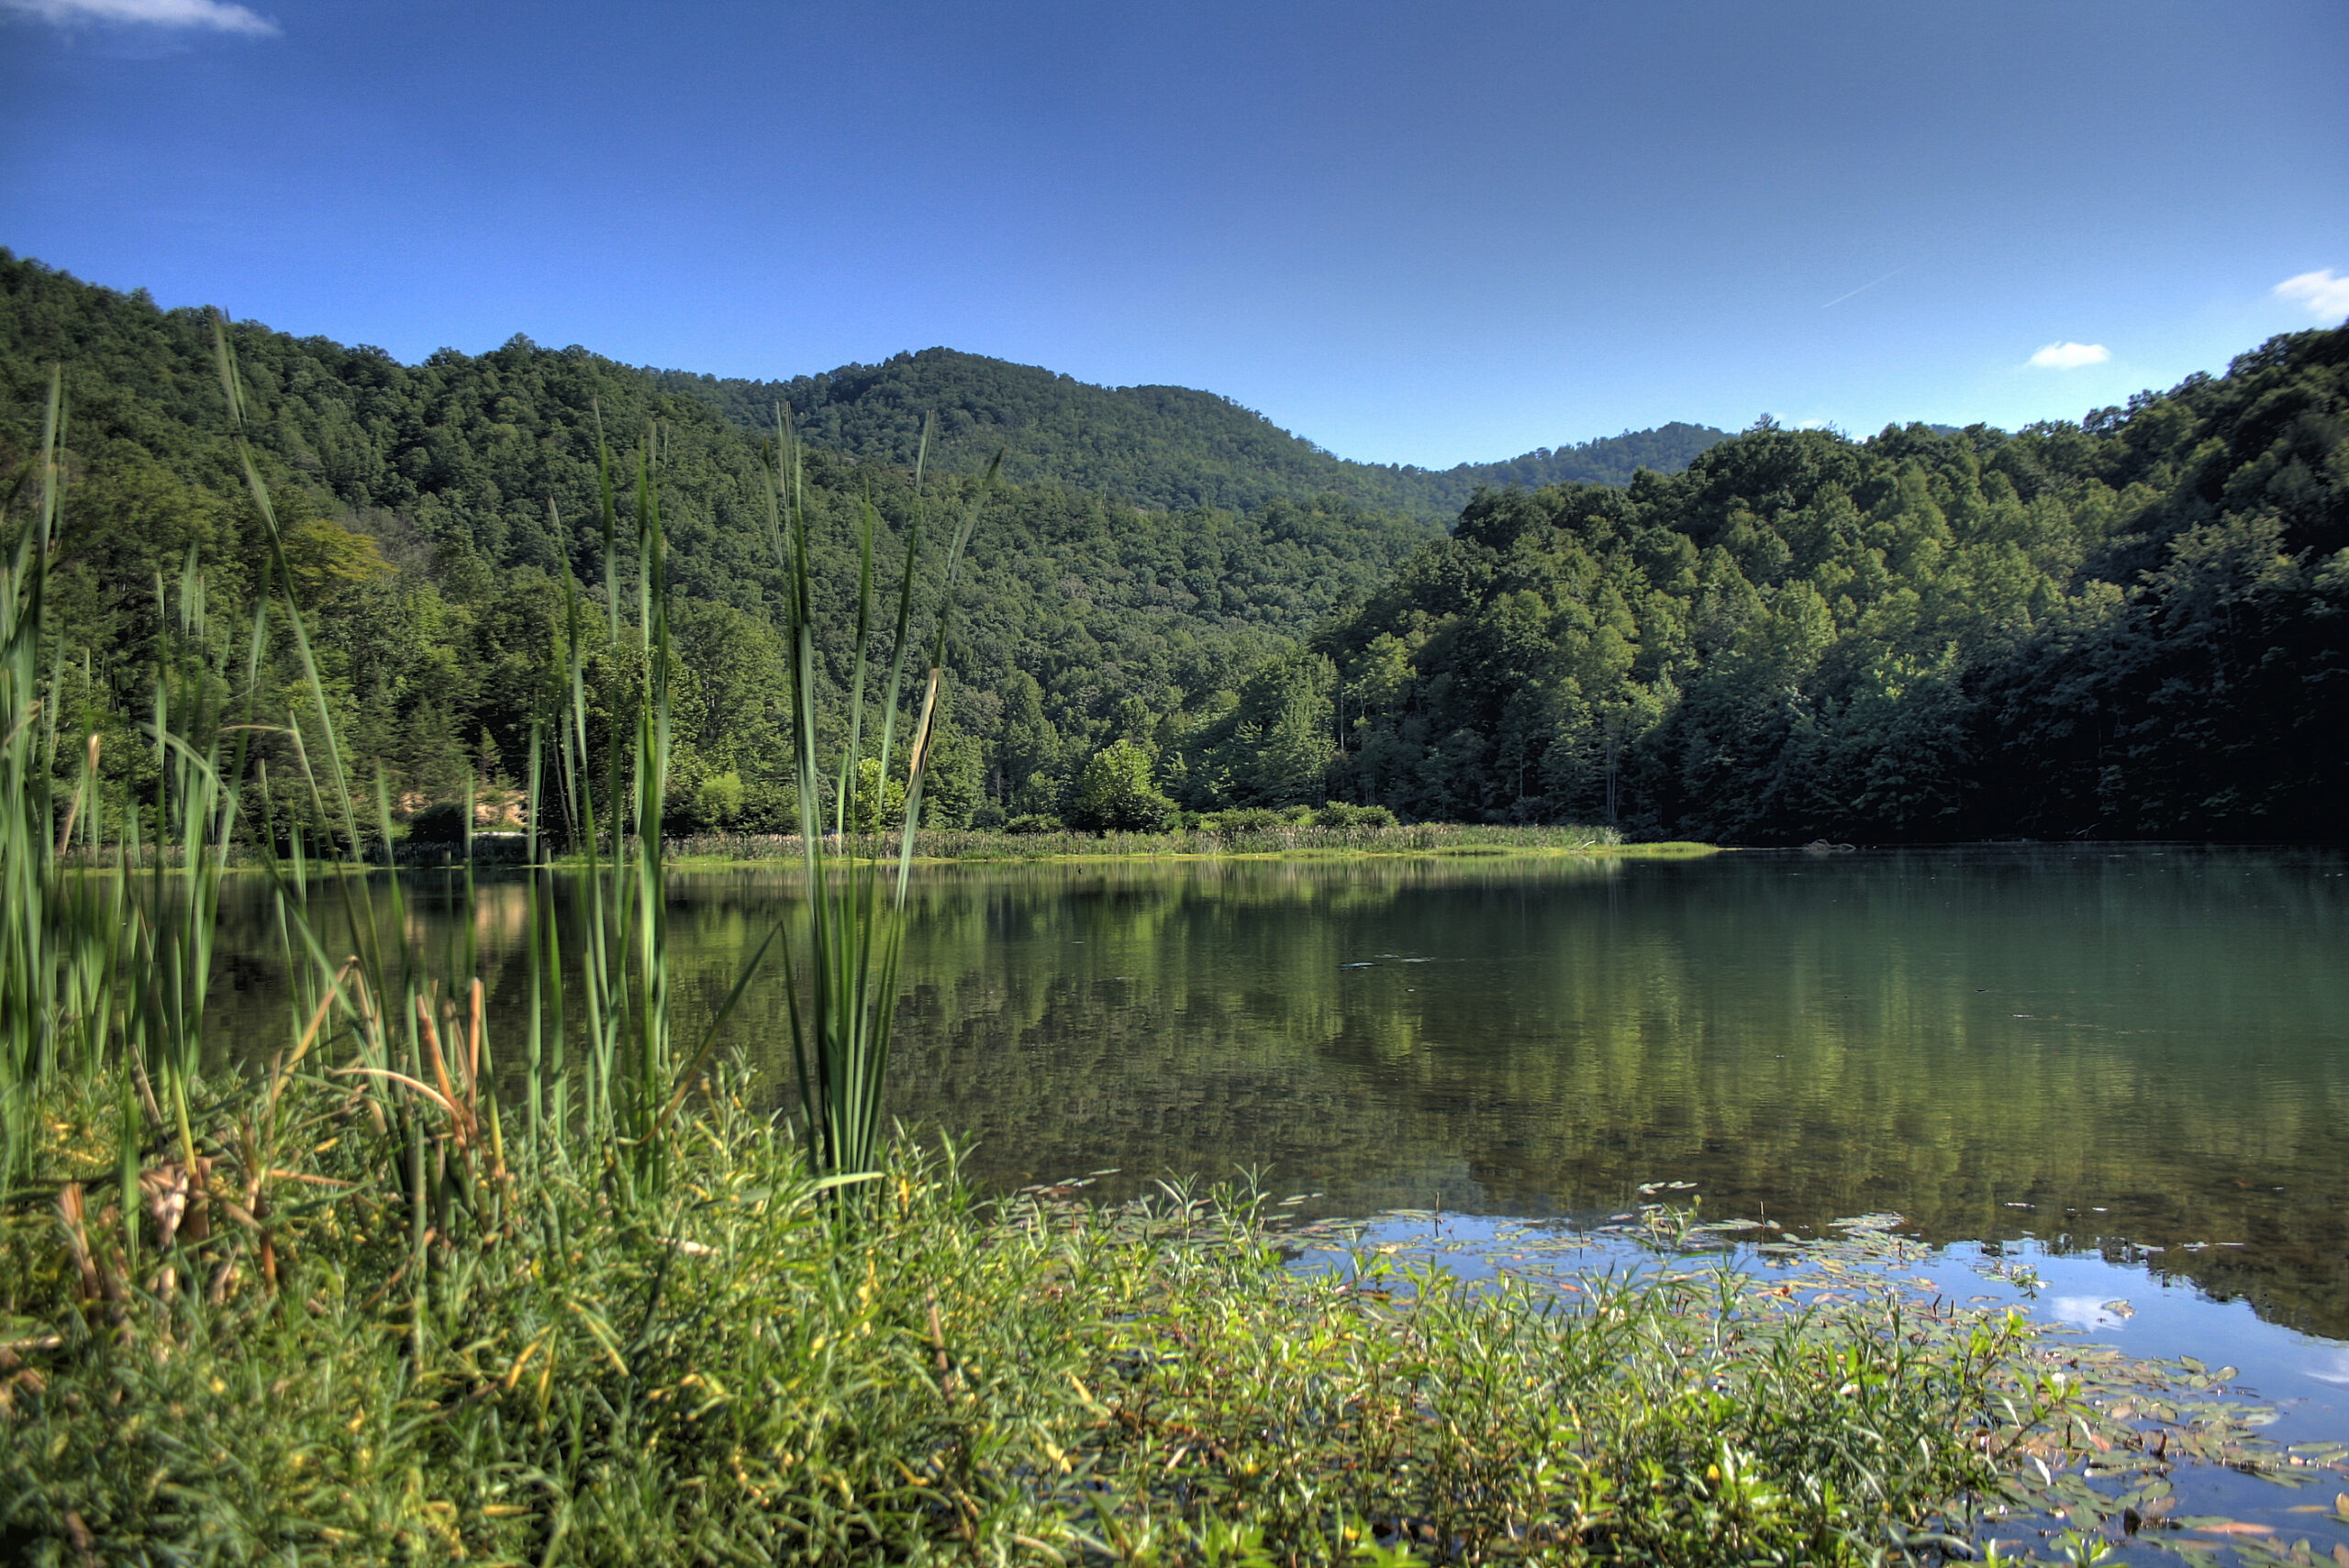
x: 1418, y: 233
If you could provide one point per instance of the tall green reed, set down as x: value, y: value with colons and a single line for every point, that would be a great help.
x: 620, y: 899
x: 418, y: 1047
x: 633, y: 1075
x: 842, y: 1019
x: 59, y: 955
x: 30, y: 979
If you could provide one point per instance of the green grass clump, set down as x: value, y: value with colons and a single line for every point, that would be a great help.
x: 726, y: 1373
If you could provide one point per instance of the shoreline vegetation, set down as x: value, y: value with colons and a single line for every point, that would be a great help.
x: 413, y: 1292
x: 939, y: 847
x: 720, y: 1370
x: 1304, y: 839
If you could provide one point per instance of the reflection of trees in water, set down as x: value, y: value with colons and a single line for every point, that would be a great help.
x: 1822, y: 1038
x: 1818, y: 1055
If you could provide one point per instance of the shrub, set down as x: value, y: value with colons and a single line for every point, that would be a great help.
x: 441, y: 824
x: 1116, y: 793
x: 1032, y: 822
x: 1337, y: 814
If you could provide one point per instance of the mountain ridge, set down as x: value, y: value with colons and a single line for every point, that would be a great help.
x: 1148, y: 444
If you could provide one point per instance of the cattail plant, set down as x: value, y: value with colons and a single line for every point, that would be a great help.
x: 29, y: 980
x: 842, y: 1015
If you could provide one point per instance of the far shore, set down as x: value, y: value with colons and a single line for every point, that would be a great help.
x: 1299, y: 842
x: 955, y: 847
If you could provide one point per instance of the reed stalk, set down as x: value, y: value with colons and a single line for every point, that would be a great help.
x: 31, y: 983
x: 843, y: 1013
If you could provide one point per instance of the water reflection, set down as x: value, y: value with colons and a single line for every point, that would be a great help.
x: 2104, y: 1049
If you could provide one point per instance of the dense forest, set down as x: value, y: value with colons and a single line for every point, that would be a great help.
x: 2124, y: 627
x: 2128, y: 626
x: 433, y: 510
x: 1166, y: 447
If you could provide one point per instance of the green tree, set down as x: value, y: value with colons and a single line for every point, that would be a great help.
x: 880, y: 805
x: 1114, y: 793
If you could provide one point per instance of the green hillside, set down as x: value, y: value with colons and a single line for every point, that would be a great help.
x: 437, y: 506
x: 1154, y: 446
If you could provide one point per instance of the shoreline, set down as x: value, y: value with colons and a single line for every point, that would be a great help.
x: 1006, y: 853
x: 1624, y: 851
x: 1426, y: 842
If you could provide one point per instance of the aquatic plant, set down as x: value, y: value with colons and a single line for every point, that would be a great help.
x: 719, y: 1371
x: 32, y: 954
x: 843, y: 1013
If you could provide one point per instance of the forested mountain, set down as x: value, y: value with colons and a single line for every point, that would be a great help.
x: 435, y: 507
x: 1154, y: 446
x: 2130, y: 626
x: 1610, y: 460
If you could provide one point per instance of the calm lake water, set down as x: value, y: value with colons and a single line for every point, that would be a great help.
x: 2096, y: 1050
x: 2125, y: 1070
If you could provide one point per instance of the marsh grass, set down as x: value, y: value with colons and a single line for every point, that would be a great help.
x: 720, y: 1372
x: 37, y: 955
x: 1300, y: 839
x: 843, y: 1013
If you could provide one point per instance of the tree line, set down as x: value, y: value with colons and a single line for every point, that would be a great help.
x: 2122, y: 627
x: 1167, y: 447
x: 2128, y: 627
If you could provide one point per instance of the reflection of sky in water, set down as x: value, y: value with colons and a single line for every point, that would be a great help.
x: 2303, y: 1379
x: 2084, y: 1312
x: 2141, y: 1313
x: 2121, y: 1305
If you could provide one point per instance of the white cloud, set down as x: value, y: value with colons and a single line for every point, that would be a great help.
x: 2323, y: 294
x: 2070, y: 356
x: 217, y: 15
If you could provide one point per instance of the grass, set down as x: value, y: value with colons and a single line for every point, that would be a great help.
x: 1416, y: 838
x: 37, y: 954
x: 721, y: 1373
x: 843, y: 1017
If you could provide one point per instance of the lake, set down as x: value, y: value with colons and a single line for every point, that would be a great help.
x: 2136, y: 1053
x: 2107, y: 1085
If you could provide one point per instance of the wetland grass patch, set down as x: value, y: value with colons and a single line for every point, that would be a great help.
x: 1300, y: 839
x: 718, y: 1371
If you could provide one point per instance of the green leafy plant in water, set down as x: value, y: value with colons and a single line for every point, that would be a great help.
x: 721, y: 1372
x: 842, y: 1016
